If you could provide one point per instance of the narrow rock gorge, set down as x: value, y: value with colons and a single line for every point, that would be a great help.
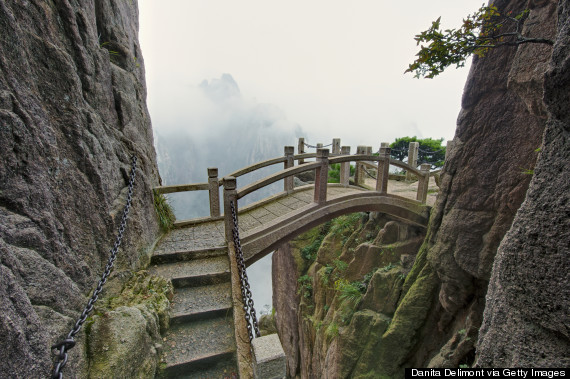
x: 513, y: 128
x: 486, y: 284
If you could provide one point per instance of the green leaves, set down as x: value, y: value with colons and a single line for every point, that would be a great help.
x: 486, y: 28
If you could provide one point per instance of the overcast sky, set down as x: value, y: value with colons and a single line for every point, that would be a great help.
x: 336, y: 68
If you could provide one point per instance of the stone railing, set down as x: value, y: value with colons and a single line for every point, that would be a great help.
x: 363, y: 158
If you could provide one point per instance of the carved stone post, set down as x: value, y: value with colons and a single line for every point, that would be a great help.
x: 336, y: 146
x: 230, y: 195
x: 345, y: 167
x: 301, y: 149
x: 213, y: 189
x: 412, y: 158
x: 288, y: 181
x: 319, y: 145
x: 321, y: 176
x: 358, y: 173
x: 423, y: 183
x: 383, y: 168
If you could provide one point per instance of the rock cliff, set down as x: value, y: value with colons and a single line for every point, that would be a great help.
x: 72, y: 113
x: 499, y: 136
x: 526, y: 321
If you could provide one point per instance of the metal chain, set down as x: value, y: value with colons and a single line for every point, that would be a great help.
x: 368, y: 173
x: 250, y: 316
x: 429, y: 151
x: 69, y: 341
x: 316, y: 147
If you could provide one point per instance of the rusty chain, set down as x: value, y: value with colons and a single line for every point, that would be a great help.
x: 250, y: 317
x: 69, y: 341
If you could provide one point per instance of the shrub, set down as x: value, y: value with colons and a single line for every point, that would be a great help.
x: 164, y: 211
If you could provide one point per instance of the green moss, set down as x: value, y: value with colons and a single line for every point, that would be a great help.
x: 148, y: 291
x: 408, y: 320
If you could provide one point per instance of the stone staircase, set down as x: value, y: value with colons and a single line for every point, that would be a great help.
x: 200, y: 342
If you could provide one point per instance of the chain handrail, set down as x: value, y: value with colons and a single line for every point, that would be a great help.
x: 249, y: 310
x: 368, y: 173
x: 316, y: 147
x: 69, y: 341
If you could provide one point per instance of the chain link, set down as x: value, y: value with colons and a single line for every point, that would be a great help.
x: 316, y: 147
x: 250, y: 316
x: 429, y: 151
x: 368, y: 173
x: 69, y: 341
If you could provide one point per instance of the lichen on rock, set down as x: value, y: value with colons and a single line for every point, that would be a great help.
x: 123, y: 337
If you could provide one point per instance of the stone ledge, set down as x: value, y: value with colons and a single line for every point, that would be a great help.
x: 269, y: 357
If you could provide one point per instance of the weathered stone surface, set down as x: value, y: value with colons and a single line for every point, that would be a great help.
x: 119, y: 345
x: 484, y: 180
x: 71, y: 113
x: 286, y: 304
x: 269, y: 357
x: 526, y: 321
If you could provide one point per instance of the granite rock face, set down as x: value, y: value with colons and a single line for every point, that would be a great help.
x: 72, y: 113
x: 526, y: 321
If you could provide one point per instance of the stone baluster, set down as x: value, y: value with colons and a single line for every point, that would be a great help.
x: 345, y: 167
x: 383, y: 168
x: 412, y: 158
x: 358, y: 172
x: 321, y: 176
x: 230, y: 195
x: 319, y: 145
x: 336, y: 146
x: 301, y: 149
x: 290, y: 162
x: 214, y: 191
x: 423, y: 182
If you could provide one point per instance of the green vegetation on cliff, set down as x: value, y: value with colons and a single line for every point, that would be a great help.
x: 350, y: 285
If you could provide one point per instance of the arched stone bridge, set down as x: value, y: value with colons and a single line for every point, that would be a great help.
x: 208, y: 334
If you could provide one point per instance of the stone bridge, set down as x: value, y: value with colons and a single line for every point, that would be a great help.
x: 208, y: 336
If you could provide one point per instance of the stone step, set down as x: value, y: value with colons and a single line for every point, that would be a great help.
x: 200, y: 349
x: 199, y: 303
x: 164, y: 256
x: 196, y: 272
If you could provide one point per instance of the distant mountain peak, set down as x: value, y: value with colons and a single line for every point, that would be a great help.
x: 220, y: 90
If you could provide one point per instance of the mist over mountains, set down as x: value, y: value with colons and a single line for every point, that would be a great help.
x: 213, y: 125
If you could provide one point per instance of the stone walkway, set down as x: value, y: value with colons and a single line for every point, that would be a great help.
x: 201, y: 341
x: 210, y: 235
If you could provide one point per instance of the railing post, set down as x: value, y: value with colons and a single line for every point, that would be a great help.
x: 423, y: 183
x: 214, y: 190
x: 321, y: 176
x: 230, y: 195
x: 288, y: 181
x: 345, y: 167
x: 319, y: 145
x: 301, y: 149
x: 412, y: 158
x: 336, y: 146
x: 359, y: 172
x: 383, y: 168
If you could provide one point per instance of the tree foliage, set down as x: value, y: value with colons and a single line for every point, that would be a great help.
x: 485, y: 29
x: 430, y: 150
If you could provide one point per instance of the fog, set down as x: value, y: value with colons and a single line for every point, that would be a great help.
x: 220, y: 128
